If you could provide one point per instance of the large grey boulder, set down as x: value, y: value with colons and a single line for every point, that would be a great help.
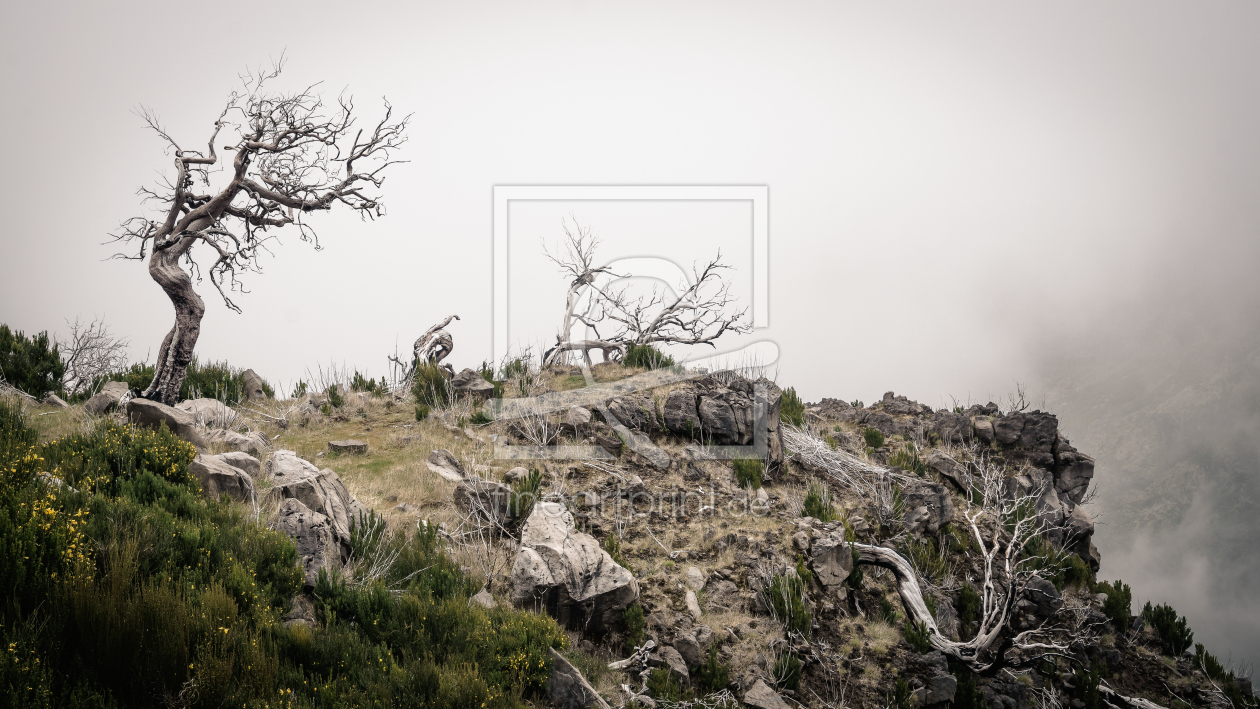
x: 106, y: 399
x: 831, y: 558
x: 1042, y: 598
x: 446, y: 465
x: 253, y: 386
x: 681, y: 416
x: 567, y: 573
x: 241, y: 461
x: 927, y: 507
x: 312, y: 533
x: 947, y: 468
x: 686, y: 644
x: 673, y: 661
x: 253, y: 443
x: 568, y: 689
x: 490, y: 501
x: 319, y: 490
x: 470, y: 383
x: 218, y: 477
x: 151, y: 414
x: 642, y: 447
x: 761, y: 696
x: 210, y: 413
x: 634, y: 411
x: 951, y: 427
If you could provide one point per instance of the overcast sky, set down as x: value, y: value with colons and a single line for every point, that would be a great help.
x: 959, y: 192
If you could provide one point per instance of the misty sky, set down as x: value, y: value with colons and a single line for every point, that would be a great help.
x: 962, y: 196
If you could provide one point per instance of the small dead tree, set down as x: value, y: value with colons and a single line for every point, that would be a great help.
x: 578, y: 264
x: 1002, y: 526
x: 432, y: 347
x: 90, y: 352
x: 693, y: 314
x: 292, y: 156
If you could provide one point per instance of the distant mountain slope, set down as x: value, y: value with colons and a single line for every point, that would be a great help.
x: 1175, y: 428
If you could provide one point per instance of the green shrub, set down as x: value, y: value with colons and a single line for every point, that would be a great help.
x: 926, y: 556
x: 212, y: 380
x: 792, y: 409
x: 32, y: 364
x: 1085, y: 687
x: 748, y: 472
x: 335, y: 399
x: 142, y: 589
x: 818, y: 501
x: 900, y: 697
x: 422, y: 412
x: 525, y: 493
x: 786, y: 597
x: 967, y: 694
x: 365, y: 384
x: 1077, y: 572
x: 431, y: 386
x: 646, y: 357
x: 887, y: 611
x: 1119, y: 604
x: 612, y: 545
x: 299, y: 389
x: 855, y: 576
x: 907, y: 458
x: 713, y: 675
x: 917, y: 636
x: 632, y: 617
x: 787, y: 670
x: 873, y: 437
x: 480, y: 418
x: 968, y: 611
x: 1174, y: 634
x: 663, y: 685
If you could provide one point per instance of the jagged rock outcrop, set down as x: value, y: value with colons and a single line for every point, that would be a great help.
x: 446, y: 465
x: 724, y: 410
x: 1058, y: 472
x: 568, y: 574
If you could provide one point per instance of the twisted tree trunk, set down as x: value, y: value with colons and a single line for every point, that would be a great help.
x: 177, y: 347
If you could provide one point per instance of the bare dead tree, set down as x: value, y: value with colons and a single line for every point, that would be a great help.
x: 293, y: 156
x: 431, y: 347
x: 90, y: 352
x: 578, y: 264
x: 693, y: 314
x: 1002, y: 526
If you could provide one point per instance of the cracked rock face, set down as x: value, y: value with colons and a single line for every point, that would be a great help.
x: 319, y: 491
x: 313, y: 536
x: 568, y: 574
